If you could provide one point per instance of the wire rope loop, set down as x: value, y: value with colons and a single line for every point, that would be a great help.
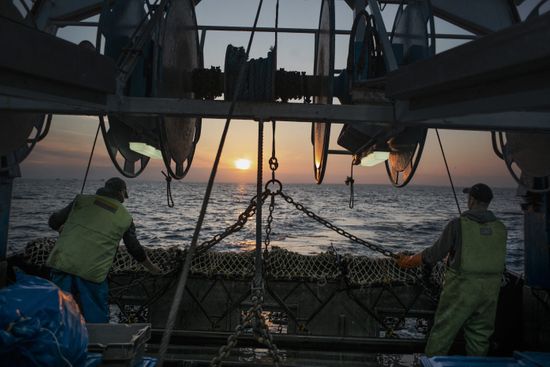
x: 169, y: 199
x: 271, y: 187
x: 273, y: 163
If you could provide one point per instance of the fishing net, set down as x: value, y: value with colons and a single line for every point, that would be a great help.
x: 281, y: 264
x: 288, y: 265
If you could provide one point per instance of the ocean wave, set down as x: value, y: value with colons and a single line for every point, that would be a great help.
x: 400, y: 220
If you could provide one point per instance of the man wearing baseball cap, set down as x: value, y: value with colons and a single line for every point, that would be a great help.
x: 91, y: 228
x: 475, y: 248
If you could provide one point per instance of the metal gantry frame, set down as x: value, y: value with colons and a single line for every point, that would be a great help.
x: 529, y: 107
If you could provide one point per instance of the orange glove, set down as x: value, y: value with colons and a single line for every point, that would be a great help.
x: 406, y: 261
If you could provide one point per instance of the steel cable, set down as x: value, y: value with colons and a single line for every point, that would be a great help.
x: 90, y: 160
x: 448, y: 172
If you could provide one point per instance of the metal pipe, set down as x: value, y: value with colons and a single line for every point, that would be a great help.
x: 266, y: 29
x: 442, y: 36
x: 340, y: 152
x: 294, y: 342
x: 222, y: 28
x: 72, y: 23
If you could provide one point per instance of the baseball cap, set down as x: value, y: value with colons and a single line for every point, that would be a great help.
x: 116, y: 184
x: 480, y: 192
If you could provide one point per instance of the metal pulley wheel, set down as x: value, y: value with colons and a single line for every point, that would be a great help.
x: 180, y: 54
x: 410, y: 34
x: 405, y: 153
x: 118, y: 24
x: 164, y: 69
x: 323, y: 66
x: 19, y: 133
x: 413, y: 32
x: 527, y: 157
x: 117, y: 136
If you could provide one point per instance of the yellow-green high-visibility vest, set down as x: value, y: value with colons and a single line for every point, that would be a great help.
x: 483, y: 247
x: 90, y: 237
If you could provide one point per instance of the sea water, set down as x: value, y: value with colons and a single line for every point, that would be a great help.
x: 406, y: 219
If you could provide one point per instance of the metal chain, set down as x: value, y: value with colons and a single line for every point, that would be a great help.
x: 267, y: 240
x: 337, y: 229
x: 273, y: 165
x: 261, y: 332
x: 274, y: 188
x: 355, y: 239
x: 248, y: 213
x: 273, y: 162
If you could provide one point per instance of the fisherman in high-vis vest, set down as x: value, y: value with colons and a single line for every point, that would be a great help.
x: 91, y: 228
x: 475, y: 247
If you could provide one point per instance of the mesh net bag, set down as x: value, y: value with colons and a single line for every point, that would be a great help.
x: 364, y: 270
x: 281, y: 265
x: 167, y: 258
x: 227, y: 264
x: 284, y: 264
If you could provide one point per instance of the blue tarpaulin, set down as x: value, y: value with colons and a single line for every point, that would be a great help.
x: 520, y: 359
x: 40, y: 325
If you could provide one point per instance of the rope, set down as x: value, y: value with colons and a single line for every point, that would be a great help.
x: 97, y: 46
x: 169, y: 199
x: 187, y: 265
x: 90, y: 160
x: 448, y: 172
x: 67, y: 362
x: 350, y: 181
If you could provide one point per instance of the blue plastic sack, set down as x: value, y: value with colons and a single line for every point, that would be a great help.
x: 40, y: 325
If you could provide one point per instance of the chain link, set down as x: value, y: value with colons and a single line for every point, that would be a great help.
x: 248, y: 213
x: 337, y: 229
x: 255, y: 320
x: 267, y: 240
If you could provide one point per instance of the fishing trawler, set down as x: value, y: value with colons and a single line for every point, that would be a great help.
x: 145, y: 81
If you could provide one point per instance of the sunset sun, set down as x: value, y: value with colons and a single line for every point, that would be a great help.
x: 242, y: 164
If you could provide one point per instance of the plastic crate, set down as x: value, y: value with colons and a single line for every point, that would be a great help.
x: 119, y: 344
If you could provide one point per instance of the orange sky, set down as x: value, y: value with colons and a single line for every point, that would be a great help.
x: 65, y: 151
